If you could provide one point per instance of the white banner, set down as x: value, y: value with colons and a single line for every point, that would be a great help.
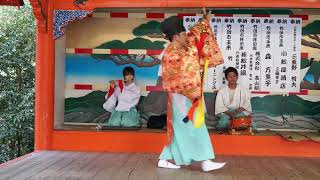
x: 265, y: 51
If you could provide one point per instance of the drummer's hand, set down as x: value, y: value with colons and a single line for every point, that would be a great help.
x: 240, y: 109
x: 232, y: 115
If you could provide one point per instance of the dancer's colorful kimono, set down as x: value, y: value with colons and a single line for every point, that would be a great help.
x: 182, y: 71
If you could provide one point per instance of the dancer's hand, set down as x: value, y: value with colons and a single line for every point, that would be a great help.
x: 205, y: 14
x: 231, y: 114
x: 204, y: 11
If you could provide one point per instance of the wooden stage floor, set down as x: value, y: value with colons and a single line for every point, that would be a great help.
x: 141, y: 166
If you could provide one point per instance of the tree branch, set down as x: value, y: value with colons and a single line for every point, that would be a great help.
x: 314, y: 37
x: 141, y: 57
x: 310, y: 44
x: 132, y: 57
x: 155, y: 58
x: 310, y: 62
x: 155, y: 36
x: 119, y: 60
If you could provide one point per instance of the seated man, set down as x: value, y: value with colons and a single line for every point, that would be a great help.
x: 232, y: 100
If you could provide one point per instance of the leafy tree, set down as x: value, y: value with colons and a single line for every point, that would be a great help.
x: 305, y: 63
x: 141, y: 60
x: 17, y: 55
x: 313, y: 70
x: 150, y: 29
x: 312, y: 30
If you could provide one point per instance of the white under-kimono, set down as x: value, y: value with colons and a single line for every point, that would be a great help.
x: 226, y: 102
x: 122, y: 105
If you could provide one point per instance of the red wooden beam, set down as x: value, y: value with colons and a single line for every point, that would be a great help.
x: 11, y: 3
x: 92, y: 4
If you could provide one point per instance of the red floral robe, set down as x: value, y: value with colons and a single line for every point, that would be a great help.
x: 182, y: 68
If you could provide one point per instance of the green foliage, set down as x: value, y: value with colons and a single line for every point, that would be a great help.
x: 92, y: 100
x: 84, y: 109
x: 315, y: 71
x: 17, y: 54
x: 304, y: 63
x: 312, y: 28
x: 136, y: 43
x: 152, y: 27
x: 315, y: 68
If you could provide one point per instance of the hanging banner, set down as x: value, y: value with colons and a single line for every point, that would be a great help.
x: 265, y: 51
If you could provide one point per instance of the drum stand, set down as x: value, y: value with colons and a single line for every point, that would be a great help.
x: 245, y: 131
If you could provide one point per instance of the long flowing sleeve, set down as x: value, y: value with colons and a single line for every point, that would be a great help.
x: 181, y: 73
x: 111, y: 102
x: 160, y: 58
x: 220, y: 106
x: 206, y: 43
x: 135, y: 94
x: 128, y: 98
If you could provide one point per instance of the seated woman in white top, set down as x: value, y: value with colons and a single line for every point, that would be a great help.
x: 232, y: 100
x: 122, y: 98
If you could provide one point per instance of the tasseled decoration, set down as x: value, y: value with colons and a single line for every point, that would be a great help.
x: 169, y: 119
